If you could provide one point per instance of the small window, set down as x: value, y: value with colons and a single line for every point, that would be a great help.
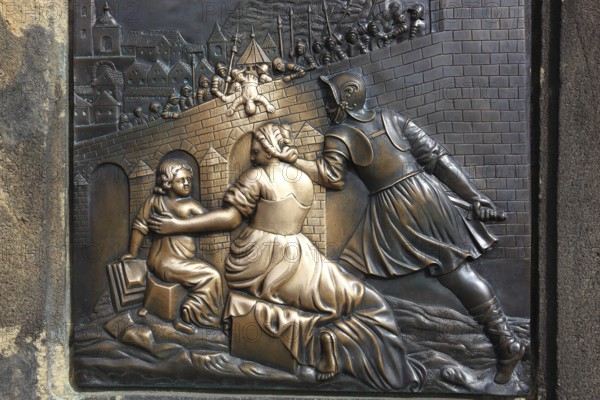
x: 106, y: 43
x: 83, y: 113
x: 83, y: 33
x: 84, y: 11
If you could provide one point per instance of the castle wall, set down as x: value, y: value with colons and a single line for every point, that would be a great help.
x: 466, y: 86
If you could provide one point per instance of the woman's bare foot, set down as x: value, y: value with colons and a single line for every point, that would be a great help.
x: 327, y: 366
x: 183, y: 327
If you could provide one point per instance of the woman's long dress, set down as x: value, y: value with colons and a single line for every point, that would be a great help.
x: 273, y: 262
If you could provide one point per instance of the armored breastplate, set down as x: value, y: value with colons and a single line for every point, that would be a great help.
x: 392, y: 161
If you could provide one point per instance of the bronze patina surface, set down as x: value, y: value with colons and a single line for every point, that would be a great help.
x: 321, y: 197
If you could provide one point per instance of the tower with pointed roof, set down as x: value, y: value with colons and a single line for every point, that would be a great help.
x: 217, y: 46
x: 269, y: 46
x: 107, y: 34
x: 253, y: 54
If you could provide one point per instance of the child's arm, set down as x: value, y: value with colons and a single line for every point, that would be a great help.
x: 139, y: 230
x: 135, y: 242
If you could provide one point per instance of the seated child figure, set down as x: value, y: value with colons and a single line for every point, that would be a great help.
x: 172, y: 257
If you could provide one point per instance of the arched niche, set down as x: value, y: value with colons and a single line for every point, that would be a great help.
x: 191, y: 160
x: 107, y: 43
x: 239, y: 161
x: 108, y: 217
x: 239, y: 157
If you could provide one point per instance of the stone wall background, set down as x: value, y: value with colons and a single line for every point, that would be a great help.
x: 35, y: 199
x: 466, y: 86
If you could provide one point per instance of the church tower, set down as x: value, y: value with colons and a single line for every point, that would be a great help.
x: 107, y: 35
x: 217, y: 46
x: 84, y: 19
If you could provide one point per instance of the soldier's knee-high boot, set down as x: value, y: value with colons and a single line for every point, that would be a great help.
x: 509, y: 350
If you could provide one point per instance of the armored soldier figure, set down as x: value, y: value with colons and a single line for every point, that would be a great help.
x: 154, y: 111
x: 337, y: 54
x: 416, y: 20
x: 186, y: 98
x: 322, y: 55
x: 304, y: 58
x: 139, y: 118
x: 385, y: 20
x: 355, y: 46
x: 282, y: 67
x: 171, y: 109
x: 203, y: 93
x: 124, y: 122
x: 217, y: 83
x: 399, y: 22
x: 376, y: 38
x: 411, y: 223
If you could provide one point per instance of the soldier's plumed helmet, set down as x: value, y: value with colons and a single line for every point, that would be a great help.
x: 349, y: 90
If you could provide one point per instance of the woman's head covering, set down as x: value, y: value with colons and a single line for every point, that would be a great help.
x: 276, y: 140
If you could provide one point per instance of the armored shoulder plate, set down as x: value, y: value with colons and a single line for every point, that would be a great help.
x: 356, y: 141
x: 395, y: 124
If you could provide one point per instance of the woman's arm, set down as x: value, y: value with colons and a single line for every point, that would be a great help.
x: 223, y: 219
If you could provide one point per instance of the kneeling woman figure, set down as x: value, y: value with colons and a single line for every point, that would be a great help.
x: 273, y: 262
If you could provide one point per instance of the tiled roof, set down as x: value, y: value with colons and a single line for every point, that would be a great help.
x: 163, y: 91
x: 163, y: 67
x: 140, y: 39
x: 83, y: 90
x: 105, y: 99
x: 253, y: 54
x: 113, y: 76
x: 143, y: 67
x: 269, y: 43
x: 181, y: 64
x: 79, y: 102
x: 106, y: 19
x: 170, y: 35
x: 217, y: 35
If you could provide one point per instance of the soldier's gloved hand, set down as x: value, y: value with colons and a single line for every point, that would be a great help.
x: 487, y: 214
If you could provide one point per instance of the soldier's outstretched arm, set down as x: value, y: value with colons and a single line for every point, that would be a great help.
x: 449, y: 172
x: 436, y: 160
x: 329, y: 170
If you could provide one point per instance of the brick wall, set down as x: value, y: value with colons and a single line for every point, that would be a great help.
x: 465, y: 85
x: 209, y: 136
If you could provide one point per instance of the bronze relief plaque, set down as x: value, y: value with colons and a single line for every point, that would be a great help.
x: 322, y: 197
